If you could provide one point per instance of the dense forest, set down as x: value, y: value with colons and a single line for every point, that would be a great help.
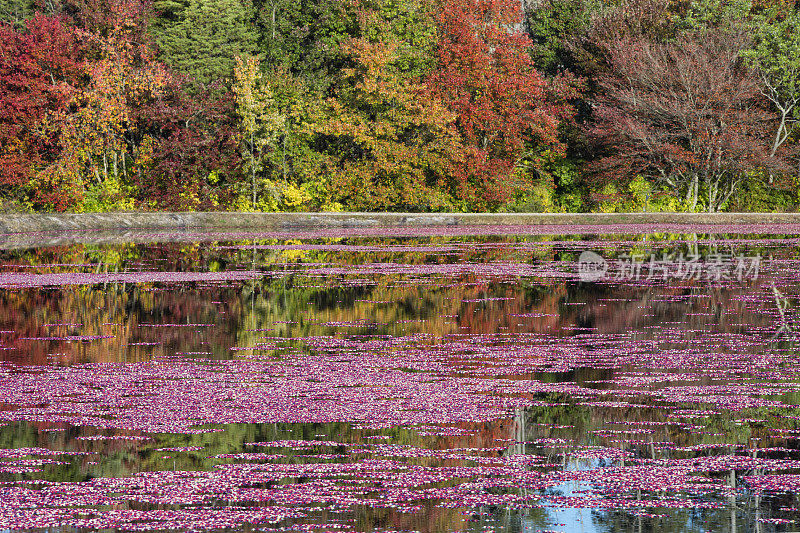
x: 399, y: 105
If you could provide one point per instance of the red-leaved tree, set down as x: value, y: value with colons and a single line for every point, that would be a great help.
x: 40, y: 67
x: 195, y: 160
x: 688, y: 114
x: 487, y: 78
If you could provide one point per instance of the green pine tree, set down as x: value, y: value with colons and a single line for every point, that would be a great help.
x: 201, y: 38
x: 16, y: 11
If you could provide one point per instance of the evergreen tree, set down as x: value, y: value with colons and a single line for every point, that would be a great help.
x: 16, y: 11
x: 304, y: 37
x: 554, y: 25
x: 201, y: 38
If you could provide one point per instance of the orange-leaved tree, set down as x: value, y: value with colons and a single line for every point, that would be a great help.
x: 98, y: 133
x: 389, y: 143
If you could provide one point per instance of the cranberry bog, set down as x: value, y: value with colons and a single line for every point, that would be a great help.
x: 420, y: 379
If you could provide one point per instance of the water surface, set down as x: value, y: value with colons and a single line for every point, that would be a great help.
x: 337, y: 381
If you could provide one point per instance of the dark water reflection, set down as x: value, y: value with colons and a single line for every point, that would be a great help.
x: 643, y: 349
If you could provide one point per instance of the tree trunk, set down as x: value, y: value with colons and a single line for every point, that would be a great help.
x: 712, y: 195
x: 783, y: 131
x: 253, y: 167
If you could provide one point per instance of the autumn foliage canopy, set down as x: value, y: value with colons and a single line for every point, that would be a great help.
x: 399, y: 105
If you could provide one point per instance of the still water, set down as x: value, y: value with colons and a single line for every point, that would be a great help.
x: 357, y: 381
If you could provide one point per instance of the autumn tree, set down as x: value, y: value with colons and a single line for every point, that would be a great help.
x: 389, y: 145
x: 503, y: 106
x: 102, y: 18
x: 294, y: 163
x: 261, y: 120
x: 97, y: 130
x: 305, y: 36
x: 41, y: 66
x: 308, y: 60
x: 685, y: 114
x: 189, y: 151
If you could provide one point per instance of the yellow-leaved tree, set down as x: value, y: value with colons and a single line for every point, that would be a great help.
x: 262, y: 123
